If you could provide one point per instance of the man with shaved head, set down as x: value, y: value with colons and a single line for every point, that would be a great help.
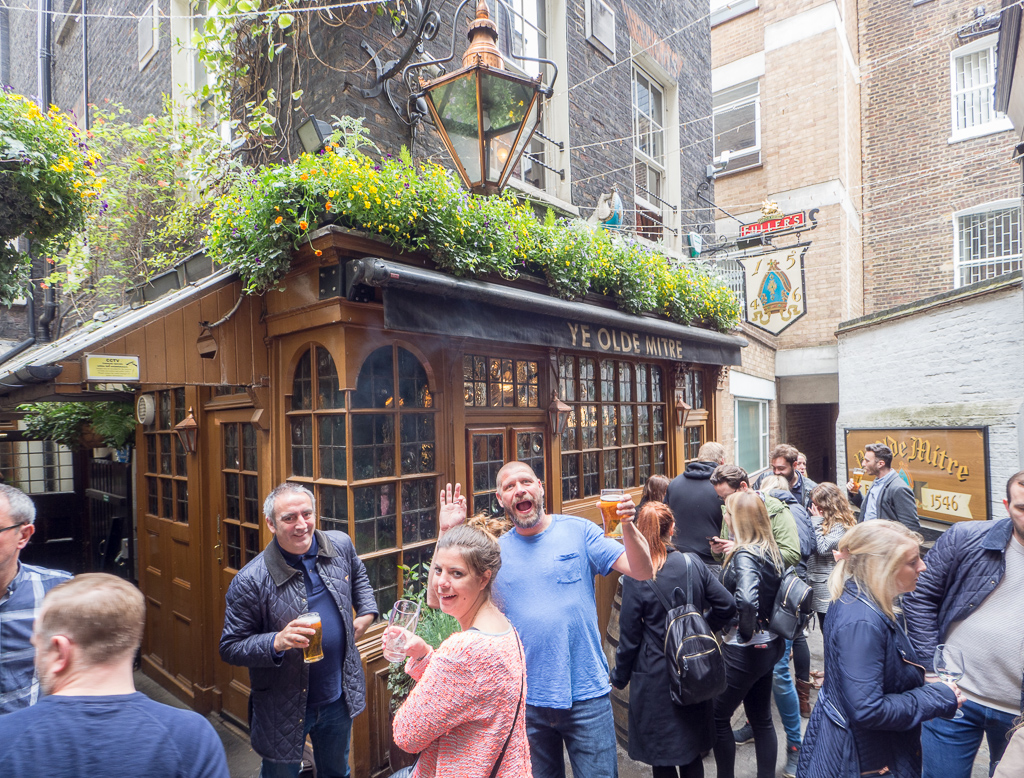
x: 546, y: 589
x: 91, y: 720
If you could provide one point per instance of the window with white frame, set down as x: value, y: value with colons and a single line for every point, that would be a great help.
x: 751, y: 434
x: 522, y: 32
x: 200, y: 76
x: 649, y: 152
x: 148, y: 29
x: 987, y: 242
x: 738, y: 125
x: 972, y: 90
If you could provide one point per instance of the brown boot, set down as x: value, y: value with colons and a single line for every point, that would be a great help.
x: 803, y: 692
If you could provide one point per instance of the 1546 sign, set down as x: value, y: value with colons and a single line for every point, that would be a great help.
x: 774, y: 288
x: 946, y: 467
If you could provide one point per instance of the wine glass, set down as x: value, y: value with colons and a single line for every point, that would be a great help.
x: 949, y: 666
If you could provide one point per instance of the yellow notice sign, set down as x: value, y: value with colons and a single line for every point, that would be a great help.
x: 103, y: 367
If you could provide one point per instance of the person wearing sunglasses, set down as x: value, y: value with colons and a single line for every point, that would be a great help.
x: 22, y: 588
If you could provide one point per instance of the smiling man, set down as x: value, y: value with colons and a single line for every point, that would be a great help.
x: 546, y: 589
x: 302, y: 569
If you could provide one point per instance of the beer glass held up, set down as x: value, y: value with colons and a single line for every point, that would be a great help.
x: 314, y: 652
x: 406, y: 615
x: 609, y: 512
x: 858, y: 473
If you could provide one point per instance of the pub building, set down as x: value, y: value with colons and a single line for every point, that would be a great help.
x: 373, y: 379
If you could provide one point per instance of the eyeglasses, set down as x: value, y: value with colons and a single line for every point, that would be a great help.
x: 13, y: 526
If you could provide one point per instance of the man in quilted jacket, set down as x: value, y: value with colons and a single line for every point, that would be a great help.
x: 970, y: 598
x: 303, y: 569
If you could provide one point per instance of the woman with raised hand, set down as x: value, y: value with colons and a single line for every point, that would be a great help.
x: 467, y: 713
x: 669, y: 737
x: 867, y: 720
x: 752, y: 572
x: 831, y: 518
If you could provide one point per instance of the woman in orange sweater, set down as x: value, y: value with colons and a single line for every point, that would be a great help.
x: 467, y: 713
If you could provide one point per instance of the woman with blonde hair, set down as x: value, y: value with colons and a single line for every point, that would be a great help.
x: 868, y: 717
x: 831, y: 518
x: 752, y: 572
x: 669, y: 737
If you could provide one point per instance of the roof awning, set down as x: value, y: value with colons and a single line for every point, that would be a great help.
x: 420, y: 300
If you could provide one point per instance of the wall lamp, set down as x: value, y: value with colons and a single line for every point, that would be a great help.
x: 558, y: 413
x: 188, y: 432
x: 314, y: 134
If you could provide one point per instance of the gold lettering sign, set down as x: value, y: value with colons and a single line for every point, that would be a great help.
x: 102, y: 367
x: 947, y: 467
x: 613, y: 340
x: 774, y: 288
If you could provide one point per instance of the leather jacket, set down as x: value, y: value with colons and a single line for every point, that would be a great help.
x: 753, y: 579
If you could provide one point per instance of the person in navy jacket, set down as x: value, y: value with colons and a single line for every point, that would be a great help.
x: 867, y: 720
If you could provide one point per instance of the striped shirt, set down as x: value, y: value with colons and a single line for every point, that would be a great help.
x: 19, y: 606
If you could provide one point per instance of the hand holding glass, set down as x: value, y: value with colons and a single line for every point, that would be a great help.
x: 405, y: 615
x: 610, y: 512
x: 949, y: 666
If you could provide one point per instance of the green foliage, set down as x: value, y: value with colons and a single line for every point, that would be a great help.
x: 47, y: 177
x: 66, y: 422
x: 159, y: 175
x: 421, y: 207
x: 434, y: 627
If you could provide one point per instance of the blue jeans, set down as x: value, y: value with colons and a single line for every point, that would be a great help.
x: 785, y: 698
x: 330, y: 729
x: 588, y: 731
x: 949, y: 746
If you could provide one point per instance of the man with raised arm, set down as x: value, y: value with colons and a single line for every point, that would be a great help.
x: 546, y: 589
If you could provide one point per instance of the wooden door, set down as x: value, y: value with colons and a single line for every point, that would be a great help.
x: 489, y: 448
x: 170, y: 551
x: 238, y: 509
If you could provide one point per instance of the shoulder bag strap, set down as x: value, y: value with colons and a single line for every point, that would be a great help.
x: 519, y: 705
x: 689, y: 579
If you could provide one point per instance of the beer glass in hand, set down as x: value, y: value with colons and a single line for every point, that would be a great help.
x: 314, y: 650
x: 610, y: 512
x: 405, y: 615
x: 949, y: 666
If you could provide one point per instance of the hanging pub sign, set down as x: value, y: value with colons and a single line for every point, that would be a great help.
x: 947, y: 467
x: 774, y: 288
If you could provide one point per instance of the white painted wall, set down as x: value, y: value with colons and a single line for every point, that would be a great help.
x: 951, y: 365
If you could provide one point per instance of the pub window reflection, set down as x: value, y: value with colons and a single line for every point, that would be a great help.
x: 369, y: 455
x: 616, y: 433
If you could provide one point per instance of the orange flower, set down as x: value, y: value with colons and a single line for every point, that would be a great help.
x: 303, y: 225
x: 278, y: 220
x: 318, y: 252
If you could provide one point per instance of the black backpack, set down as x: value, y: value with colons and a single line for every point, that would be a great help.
x: 696, y: 667
x: 793, y: 605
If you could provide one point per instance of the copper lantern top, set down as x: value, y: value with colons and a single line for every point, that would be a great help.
x: 483, y: 41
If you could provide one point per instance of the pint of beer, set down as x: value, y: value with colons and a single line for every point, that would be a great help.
x: 314, y: 652
x: 858, y: 473
x: 609, y: 512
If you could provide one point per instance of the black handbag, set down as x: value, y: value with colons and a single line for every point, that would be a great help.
x: 696, y: 666
x: 793, y: 605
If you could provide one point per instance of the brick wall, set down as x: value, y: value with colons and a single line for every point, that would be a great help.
x: 914, y: 178
x: 955, y: 363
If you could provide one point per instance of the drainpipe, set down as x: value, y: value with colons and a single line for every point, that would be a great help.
x: 43, y: 72
x: 49, y: 313
x: 31, y: 317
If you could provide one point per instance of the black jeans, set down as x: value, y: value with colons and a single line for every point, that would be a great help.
x: 748, y: 671
x: 693, y: 770
x: 802, y: 657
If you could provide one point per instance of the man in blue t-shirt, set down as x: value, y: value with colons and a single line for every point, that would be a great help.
x: 91, y: 720
x: 546, y: 589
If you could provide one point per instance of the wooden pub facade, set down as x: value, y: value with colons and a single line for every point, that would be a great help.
x: 373, y: 379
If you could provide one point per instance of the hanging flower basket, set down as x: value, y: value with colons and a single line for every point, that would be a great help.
x: 46, y: 180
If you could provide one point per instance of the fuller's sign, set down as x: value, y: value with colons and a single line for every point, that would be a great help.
x: 788, y: 222
x: 947, y: 467
x: 774, y: 288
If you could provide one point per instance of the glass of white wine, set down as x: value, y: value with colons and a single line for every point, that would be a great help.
x: 949, y: 666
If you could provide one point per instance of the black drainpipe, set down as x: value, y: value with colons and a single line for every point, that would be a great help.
x: 31, y: 339
x: 45, y: 99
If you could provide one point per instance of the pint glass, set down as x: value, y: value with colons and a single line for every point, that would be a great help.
x: 406, y: 615
x: 858, y: 473
x: 609, y: 512
x: 314, y: 652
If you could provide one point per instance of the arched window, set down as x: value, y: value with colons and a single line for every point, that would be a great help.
x: 370, y: 458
